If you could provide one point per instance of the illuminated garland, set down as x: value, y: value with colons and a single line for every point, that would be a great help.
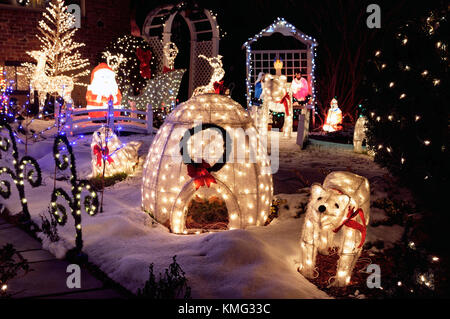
x: 33, y: 175
x: 91, y: 203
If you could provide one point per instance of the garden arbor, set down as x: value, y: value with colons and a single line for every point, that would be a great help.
x: 204, y: 38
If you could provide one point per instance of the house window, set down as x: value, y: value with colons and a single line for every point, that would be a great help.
x: 15, y: 77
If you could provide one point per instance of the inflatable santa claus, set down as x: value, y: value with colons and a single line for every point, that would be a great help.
x: 103, y: 88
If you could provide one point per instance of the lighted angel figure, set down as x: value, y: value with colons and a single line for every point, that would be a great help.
x: 110, y: 154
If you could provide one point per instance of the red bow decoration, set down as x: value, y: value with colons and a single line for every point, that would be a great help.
x: 285, y: 101
x: 144, y: 58
x: 167, y: 70
x: 98, y: 152
x: 354, y: 224
x: 219, y: 88
x: 200, y: 174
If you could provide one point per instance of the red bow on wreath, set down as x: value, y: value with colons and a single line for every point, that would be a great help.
x: 285, y: 101
x: 98, y: 152
x: 354, y: 224
x: 167, y: 70
x: 219, y: 87
x: 200, y: 174
x: 144, y: 58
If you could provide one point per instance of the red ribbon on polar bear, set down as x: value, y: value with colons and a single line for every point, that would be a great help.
x: 200, y: 174
x: 98, y: 152
x: 349, y: 222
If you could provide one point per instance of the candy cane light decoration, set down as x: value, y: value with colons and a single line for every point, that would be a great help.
x: 337, y: 216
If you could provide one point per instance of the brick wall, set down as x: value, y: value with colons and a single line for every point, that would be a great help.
x: 104, y: 21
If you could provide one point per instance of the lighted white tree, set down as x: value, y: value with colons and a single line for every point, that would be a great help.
x: 62, y: 57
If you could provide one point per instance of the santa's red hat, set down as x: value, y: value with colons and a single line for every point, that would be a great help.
x: 101, y: 66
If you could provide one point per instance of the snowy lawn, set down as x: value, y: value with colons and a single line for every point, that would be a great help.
x: 259, y: 262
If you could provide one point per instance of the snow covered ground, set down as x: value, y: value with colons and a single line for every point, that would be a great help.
x: 259, y: 262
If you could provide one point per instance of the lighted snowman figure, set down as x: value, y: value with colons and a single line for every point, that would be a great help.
x: 208, y: 146
x: 276, y: 97
x: 110, y: 153
x: 334, y: 117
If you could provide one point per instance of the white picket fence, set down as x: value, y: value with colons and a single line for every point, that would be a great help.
x: 77, y: 121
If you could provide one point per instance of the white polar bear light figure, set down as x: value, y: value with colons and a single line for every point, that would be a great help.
x: 276, y: 98
x: 337, y: 216
x: 119, y: 157
x: 360, y: 134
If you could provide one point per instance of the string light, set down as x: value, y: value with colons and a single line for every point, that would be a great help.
x: 33, y: 175
x: 90, y: 201
x: 280, y: 24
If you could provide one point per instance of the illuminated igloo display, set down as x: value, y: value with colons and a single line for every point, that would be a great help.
x: 189, y: 159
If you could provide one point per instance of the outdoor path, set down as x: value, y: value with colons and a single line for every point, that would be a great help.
x: 47, y: 278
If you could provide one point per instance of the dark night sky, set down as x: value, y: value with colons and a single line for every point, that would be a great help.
x: 334, y: 24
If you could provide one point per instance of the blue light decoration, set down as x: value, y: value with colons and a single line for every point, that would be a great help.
x: 279, y: 25
x: 19, y: 172
x: 65, y: 159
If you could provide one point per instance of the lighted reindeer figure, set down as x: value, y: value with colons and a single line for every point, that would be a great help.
x: 63, y: 85
x: 218, y: 74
